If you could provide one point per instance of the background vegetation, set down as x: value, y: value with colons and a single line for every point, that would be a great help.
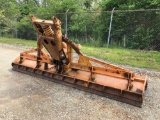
x: 130, y: 29
x: 137, y: 58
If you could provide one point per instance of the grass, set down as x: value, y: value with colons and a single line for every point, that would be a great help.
x: 22, y: 42
x: 137, y: 58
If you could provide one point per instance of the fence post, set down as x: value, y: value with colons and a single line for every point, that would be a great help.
x: 0, y: 32
x: 124, y: 42
x: 66, y: 24
x: 110, y: 28
x: 86, y: 33
x: 15, y: 24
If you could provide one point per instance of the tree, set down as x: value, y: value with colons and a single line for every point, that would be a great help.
x: 25, y: 29
x: 6, y: 25
x: 133, y: 26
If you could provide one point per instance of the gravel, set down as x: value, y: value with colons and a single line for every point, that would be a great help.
x: 24, y: 97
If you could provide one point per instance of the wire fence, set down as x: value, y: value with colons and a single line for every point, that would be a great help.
x: 137, y: 29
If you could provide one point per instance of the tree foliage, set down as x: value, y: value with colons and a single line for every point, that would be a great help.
x: 138, y: 32
x: 131, y: 27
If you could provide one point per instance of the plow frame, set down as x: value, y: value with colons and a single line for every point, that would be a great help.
x: 57, y: 65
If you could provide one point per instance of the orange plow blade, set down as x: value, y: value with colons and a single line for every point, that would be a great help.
x: 105, y: 83
x: 55, y: 63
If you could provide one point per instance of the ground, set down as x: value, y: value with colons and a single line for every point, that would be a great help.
x: 26, y: 97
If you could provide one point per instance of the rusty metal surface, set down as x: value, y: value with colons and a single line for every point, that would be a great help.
x: 105, y: 86
x: 56, y: 64
x: 109, y: 92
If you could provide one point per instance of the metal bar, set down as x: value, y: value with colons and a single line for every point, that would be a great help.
x: 105, y: 91
x: 66, y: 24
x: 15, y: 23
x: 78, y: 85
x: 110, y: 28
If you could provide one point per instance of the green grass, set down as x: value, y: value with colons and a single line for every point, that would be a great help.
x: 18, y: 41
x: 137, y: 58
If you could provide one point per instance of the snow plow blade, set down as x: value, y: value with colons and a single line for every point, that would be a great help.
x: 56, y: 64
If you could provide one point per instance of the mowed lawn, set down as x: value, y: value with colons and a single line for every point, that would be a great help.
x: 137, y: 58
